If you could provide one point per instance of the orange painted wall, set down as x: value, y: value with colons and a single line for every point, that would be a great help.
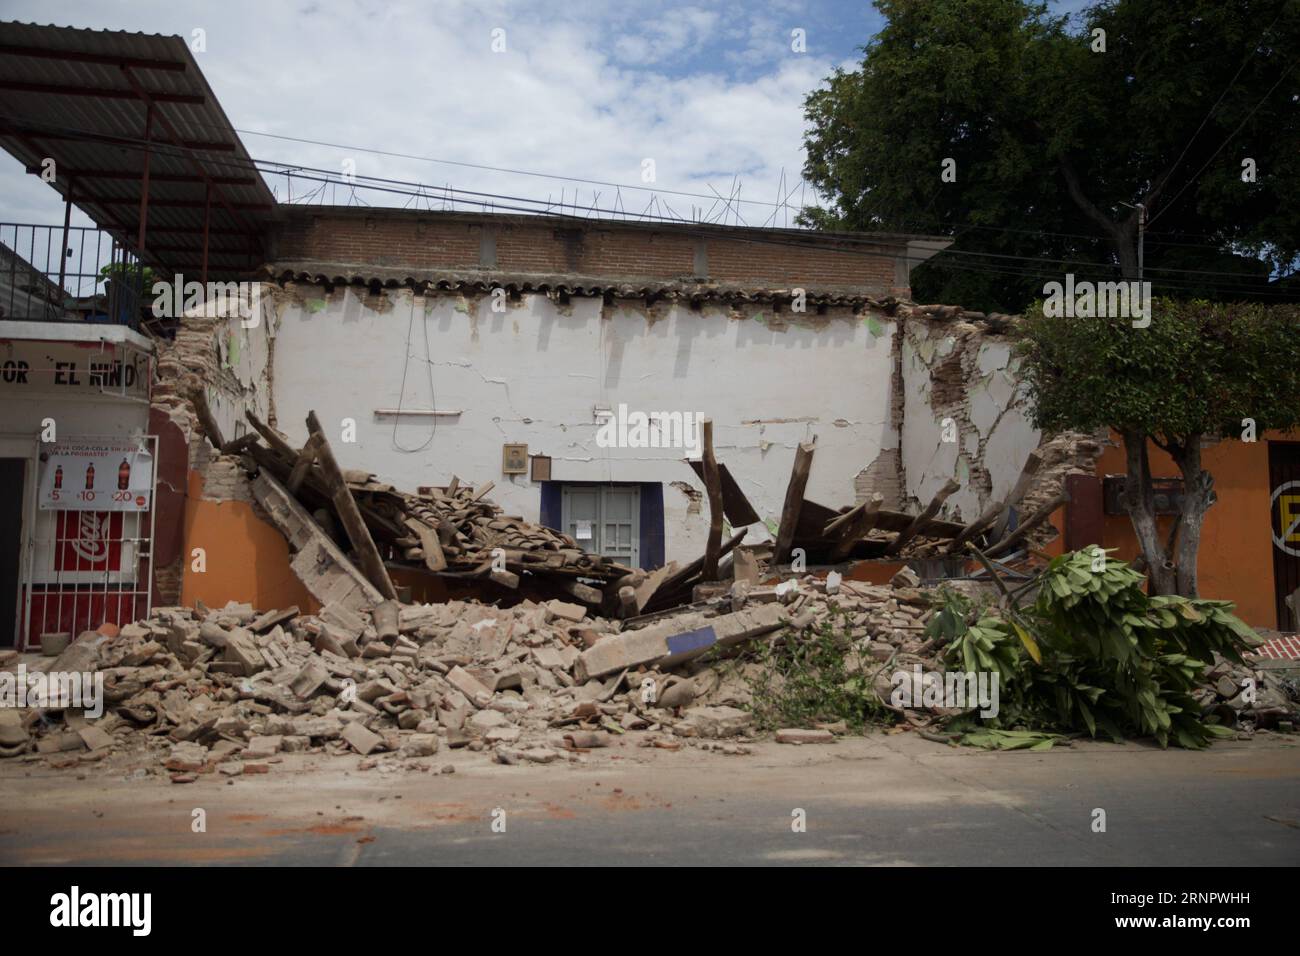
x: 247, y: 559
x: 1236, y: 555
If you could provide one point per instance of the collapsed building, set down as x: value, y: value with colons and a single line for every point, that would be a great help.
x: 508, y: 382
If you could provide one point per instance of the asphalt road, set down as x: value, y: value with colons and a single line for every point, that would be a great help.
x: 883, y: 800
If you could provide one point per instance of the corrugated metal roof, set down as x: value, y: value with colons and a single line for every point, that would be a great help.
x: 97, y: 141
x: 476, y: 281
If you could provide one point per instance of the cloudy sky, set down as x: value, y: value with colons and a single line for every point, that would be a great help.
x: 711, y: 92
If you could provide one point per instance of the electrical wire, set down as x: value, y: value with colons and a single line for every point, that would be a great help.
x: 509, y: 202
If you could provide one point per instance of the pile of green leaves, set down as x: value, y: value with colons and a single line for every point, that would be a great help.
x: 1094, y: 652
x: 813, y: 675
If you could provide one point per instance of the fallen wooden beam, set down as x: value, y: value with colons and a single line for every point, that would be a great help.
x: 713, y: 487
x: 644, y: 591
x: 434, y: 559
x: 1028, y: 525
x: 735, y: 505
x: 1031, y: 466
x: 793, y: 502
x: 273, y: 438
x: 317, y: 561
x: 209, y: 422
x: 303, y: 464
x: 682, y: 578
x: 346, y: 508
x: 236, y: 446
x: 920, y: 521
x: 849, y: 528
x: 583, y: 592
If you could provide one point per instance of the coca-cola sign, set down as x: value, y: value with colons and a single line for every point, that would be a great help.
x: 88, y: 541
x: 96, y: 474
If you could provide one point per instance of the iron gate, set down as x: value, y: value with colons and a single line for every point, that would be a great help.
x: 90, y: 541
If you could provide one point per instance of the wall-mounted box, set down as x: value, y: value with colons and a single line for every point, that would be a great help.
x: 1168, y: 495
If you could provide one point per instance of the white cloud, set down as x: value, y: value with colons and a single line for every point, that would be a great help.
x: 589, y: 92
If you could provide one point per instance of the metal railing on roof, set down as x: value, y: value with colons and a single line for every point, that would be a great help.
x: 89, y: 278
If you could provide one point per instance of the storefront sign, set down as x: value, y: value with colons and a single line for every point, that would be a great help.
x: 72, y: 368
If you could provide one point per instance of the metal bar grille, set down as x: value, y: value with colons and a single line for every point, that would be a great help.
x: 88, y: 567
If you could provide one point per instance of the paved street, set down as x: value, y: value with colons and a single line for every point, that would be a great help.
x: 883, y: 800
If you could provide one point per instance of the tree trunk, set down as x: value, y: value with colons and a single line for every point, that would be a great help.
x: 1139, y: 499
x: 1198, y: 496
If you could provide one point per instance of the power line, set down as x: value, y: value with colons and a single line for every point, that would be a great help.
x: 1239, y: 128
x: 506, y: 201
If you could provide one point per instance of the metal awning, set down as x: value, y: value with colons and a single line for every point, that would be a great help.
x: 139, y: 143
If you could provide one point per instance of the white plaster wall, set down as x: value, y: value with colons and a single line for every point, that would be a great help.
x: 536, y: 372
x: 243, y: 357
x: 992, y: 427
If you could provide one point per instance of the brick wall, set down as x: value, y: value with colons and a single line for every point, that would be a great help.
x: 514, y: 244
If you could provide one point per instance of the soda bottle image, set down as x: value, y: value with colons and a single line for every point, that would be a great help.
x: 123, y: 475
x: 58, y: 477
x: 90, y: 476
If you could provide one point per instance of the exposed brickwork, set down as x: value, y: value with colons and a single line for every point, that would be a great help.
x: 432, y: 241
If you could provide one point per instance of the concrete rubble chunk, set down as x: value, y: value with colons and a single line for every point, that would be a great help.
x: 675, y: 641
x: 94, y: 738
x: 360, y: 739
x: 241, y: 649
x: 261, y: 747
x: 905, y: 578
x: 482, y: 721
x: 797, y: 736
x: 468, y: 685
x: 420, y: 745
x: 717, y: 722
x: 309, y: 679
x: 564, y: 611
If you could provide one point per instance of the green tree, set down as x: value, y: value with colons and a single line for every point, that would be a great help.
x: 1200, y: 371
x: 1056, y: 143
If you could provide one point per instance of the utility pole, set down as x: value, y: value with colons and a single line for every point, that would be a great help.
x: 1142, y: 229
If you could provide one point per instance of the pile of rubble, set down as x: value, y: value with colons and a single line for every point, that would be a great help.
x: 229, y: 689
x: 1252, y: 696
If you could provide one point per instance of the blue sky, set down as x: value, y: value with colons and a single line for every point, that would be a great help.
x: 710, y: 93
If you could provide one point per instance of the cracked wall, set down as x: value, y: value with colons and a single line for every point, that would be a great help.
x: 537, y: 371
x: 965, y: 414
x: 229, y: 358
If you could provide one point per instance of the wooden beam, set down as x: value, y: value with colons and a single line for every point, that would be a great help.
x: 302, y: 465
x: 684, y: 575
x: 1032, y: 464
x: 1003, y: 507
x: 713, y: 488
x: 434, y: 559
x: 793, y: 501
x: 236, y: 445
x: 735, y: 505
x: 209, y: 422
x: 850, y: 528
x: 273, y: 438
x: 1028, y: 525
x: 921, y: 520
x: 346, y: 507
